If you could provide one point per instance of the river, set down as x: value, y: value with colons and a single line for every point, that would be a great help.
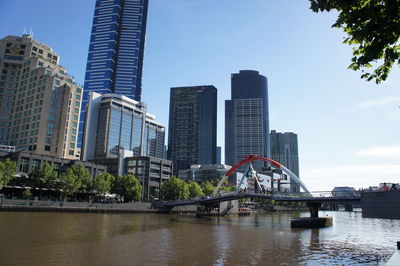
x: 159, y: 239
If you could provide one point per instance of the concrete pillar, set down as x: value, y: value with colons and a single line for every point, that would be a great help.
x: 313, y: 207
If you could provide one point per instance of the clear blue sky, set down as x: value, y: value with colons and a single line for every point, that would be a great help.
x: 348, y: 129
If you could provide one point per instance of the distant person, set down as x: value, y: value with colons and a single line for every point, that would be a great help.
x: 393, y: 188
x: 385, y: 187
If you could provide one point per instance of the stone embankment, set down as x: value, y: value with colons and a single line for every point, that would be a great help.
x: 15, y: 205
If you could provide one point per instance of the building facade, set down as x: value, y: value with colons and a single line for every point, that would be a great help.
x: 219, y: 153
x: 27, y: 161
x: 119, y: 126
x: 116, y: 50
x: 247, y: 118
x: 152, y: 173
x: 204, y: 173
x: 192, y: 135
x: 39, y: 102
x: 284, y: 149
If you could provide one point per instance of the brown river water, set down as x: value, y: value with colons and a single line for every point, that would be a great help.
x: 159, y: 239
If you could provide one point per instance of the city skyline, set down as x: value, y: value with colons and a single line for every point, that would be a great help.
x: 344, y: 124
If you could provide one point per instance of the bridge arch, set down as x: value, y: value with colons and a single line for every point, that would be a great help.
x: 251, y: 158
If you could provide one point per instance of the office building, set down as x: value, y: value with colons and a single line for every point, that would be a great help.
x: 152, y: 173
x: 246, y: 118
x: 192, y: 135
x: 39, y: 102
x: 116, y: 49
x: 204, y: 173
x: 27, y: 161
x: 218, y: 160
x: 117, y: 126
x: 284, y: 149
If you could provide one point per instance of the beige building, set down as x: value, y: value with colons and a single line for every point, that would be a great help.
x: 39, y: 102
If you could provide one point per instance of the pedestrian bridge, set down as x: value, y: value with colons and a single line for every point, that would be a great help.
x: 306, y: 197
x: 313, y: 200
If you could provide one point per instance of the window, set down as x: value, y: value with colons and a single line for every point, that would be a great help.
x: 50, y: 125
x: 49, y: 132
x: 47, y: 148
x: 78, y: 97
x: 74, y: 124
x: 34, y: 48
x: 48, y: 140
x: 76, y: 110
x: 73, y: 131
x: 71, y: 152
x: 73, y: 138
x: 72, y: 145
x: 75, y: 117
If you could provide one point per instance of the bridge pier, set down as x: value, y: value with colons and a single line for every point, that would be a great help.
x: 314, y: 221
x: 313, y: 207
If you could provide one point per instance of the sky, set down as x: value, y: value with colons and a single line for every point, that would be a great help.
x: 348, y: 129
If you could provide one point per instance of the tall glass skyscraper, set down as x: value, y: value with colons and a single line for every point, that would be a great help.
x: 192, y: 135
x: 247, y: 118
x: 284, y: 149
x: 116, y: 49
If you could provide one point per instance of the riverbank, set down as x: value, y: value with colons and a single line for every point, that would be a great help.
x: 20, y: 205
x: 23, y: 205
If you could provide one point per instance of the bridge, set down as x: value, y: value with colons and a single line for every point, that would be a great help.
x: 313, y: 202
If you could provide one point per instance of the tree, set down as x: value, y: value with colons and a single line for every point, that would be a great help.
x: 207, y: 188
x: 44, y: 176
x: 102, y: 184
x: 174, y: 189
x: 371, y: 25
x: 7, y: 172
x: 129, y: 187
x: 76, y: 177
x: 195, y: 190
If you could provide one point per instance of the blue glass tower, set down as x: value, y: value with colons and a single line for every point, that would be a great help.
x: 115, y: 59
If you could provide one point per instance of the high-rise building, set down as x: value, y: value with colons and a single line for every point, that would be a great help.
x: 192, y: 134
x: 246, y: 118
x: 116, y: 49
x: 117, y: 126
x: 218, y: 160
x: 284, y: 149
x: 39, y: 101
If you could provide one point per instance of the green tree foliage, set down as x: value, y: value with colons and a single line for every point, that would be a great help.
x: 208, y: 188
x: 195, y: 190
x: 129, y: 187
x: 27, y: 194
x: 102, y: 184
x: 7, y: 172
x: 174, y: 189
x: 76, y: 177
x: 373, y: 27
x: 44, y: 176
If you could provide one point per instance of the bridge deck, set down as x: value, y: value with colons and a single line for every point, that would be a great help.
x: 276, y: 197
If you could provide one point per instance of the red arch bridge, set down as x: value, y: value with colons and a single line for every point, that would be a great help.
x: 313, y: 200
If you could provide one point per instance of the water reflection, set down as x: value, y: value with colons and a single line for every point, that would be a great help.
x: 101, y: 239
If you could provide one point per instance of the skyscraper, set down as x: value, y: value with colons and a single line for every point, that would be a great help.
x: 284, y: 149
x: 218, y: 161
x: 192, y: 135
x: 39, y: 101
x: 246, y: 117
x: 116, y: 49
